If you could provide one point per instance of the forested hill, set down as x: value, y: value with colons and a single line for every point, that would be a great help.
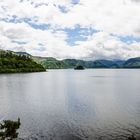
x: 52, y: 63
x: 12, y: 63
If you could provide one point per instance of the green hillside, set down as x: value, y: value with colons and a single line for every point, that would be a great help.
x: 10, y: 62
x: 52, y: 63
x: 132, y: 63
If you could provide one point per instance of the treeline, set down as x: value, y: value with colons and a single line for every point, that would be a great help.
x: 12, y: 63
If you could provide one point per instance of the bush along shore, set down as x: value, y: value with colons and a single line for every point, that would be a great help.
x: 13, y: 63
x: 8, y: 129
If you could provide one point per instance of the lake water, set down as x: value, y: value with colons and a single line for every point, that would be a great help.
x: 96, y: 104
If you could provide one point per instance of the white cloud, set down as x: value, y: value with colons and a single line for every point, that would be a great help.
x: 114, y: 16
x: 118, y: 17
x: 102, y: 45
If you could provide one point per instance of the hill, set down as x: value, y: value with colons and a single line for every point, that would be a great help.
x: 50, y: 63
x: 10, y: 62
x: 132, y: 63
x: 53, y: 63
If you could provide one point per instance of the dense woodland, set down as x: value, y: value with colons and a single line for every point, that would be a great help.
x: 11, y: 63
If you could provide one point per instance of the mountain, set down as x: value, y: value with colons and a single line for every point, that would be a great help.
x: 132, y: 63
x: 52, y: 63
x: 11, y: 62
x: 112, y: 63
x: 95, y: 64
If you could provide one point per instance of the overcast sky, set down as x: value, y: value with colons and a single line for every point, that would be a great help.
x: 82, y: 29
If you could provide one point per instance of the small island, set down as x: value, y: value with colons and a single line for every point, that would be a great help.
x: 79, y: 67
x: 10, y: 62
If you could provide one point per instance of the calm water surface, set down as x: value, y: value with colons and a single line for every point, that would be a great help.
x: 100, y: 104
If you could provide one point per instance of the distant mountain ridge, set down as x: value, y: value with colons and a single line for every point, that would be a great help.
x: 132, y: 63
x: 53, y: 63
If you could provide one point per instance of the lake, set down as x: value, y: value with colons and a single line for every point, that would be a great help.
x: 93, y: 104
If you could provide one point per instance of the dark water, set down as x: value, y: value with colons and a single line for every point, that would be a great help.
x: 73, y: 105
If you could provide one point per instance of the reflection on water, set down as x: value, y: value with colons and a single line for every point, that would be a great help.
x: 73, y: 105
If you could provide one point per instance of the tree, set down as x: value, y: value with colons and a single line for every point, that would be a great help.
x: 79, y: 67
x: 8, y: 129
x: 132, y: 137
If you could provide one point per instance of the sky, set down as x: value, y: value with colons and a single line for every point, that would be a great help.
x: 80, y: 29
